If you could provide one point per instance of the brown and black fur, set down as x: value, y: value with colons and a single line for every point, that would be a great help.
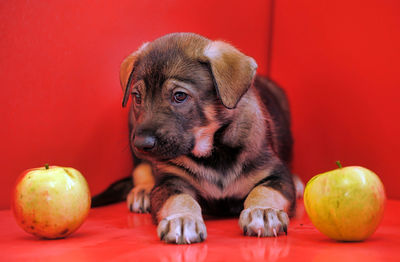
x: 230, y: 136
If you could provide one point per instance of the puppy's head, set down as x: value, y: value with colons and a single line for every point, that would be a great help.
x: 182, y: 87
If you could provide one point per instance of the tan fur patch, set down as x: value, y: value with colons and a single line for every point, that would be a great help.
x: 143, y: 175
x: 265, y: 197
x: 178, y: 205
x: 204, y: 135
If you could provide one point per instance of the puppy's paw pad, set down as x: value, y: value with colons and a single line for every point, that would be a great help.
x: 182, y: 229
x: 138, y: 200
x: 263, y: 222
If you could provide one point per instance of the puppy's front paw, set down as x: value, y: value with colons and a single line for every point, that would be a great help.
x: 182, y: 229
x: 138, y: 200
x: 263, y: 222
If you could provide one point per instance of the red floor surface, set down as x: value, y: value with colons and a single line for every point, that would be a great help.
x: 113, y: 234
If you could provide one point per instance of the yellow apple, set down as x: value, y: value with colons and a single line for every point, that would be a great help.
x: 345, y: 204
x: 51, y: 202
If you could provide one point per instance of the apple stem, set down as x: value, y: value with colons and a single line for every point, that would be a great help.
x: 46, y: 166
x: 339, y: 164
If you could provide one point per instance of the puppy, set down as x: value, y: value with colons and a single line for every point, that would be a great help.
x: 209, y: 137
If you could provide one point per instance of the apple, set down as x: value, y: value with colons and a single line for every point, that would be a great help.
x: 345, y: 204
x: 51, y: 202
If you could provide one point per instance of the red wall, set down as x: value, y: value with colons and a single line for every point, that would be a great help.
x: 340, y: 63
x: 61, y: 100
x: 59, y: 69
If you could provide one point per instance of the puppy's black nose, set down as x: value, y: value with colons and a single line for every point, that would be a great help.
x: 144, y: 142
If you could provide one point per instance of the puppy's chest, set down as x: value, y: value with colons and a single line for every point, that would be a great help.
x: 213, y: 184
x: 221, y: 186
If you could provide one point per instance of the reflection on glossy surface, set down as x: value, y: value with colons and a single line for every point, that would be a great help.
x: 114, y: 234
x: 270, y: 249
x: 186, y: 253
x: 137, y: 220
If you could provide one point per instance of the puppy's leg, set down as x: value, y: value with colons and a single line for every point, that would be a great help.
x: 299, y: 185
x: 138, y: 199
x: 177, y: 212
x: 267, y: 206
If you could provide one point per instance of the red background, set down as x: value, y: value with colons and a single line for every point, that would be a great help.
x: 61, y: 100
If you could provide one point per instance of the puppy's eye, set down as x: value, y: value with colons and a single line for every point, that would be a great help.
x: 137, y: 97
x: 179, y: 97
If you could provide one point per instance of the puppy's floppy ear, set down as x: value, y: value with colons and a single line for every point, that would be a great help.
x: 233, y: 71
x: 126, y: 73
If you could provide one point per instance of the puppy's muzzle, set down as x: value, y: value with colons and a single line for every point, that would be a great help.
x: 144, y: 143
